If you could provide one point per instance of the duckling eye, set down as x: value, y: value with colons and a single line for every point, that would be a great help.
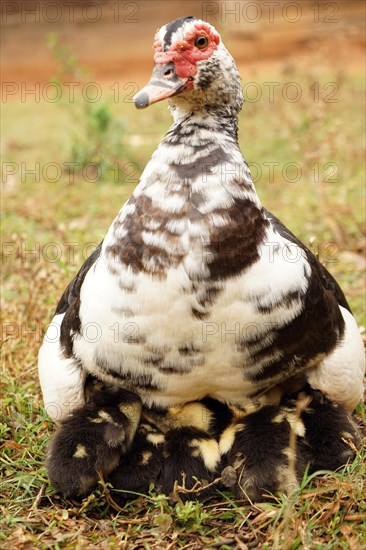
x: 201, y: 42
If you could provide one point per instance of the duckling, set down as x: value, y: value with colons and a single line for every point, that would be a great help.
x: 89, y: 444
x: 178, y: 446
x: 190, y: 456
x: 191, y: 452
x: 257, y: 454
x: 268, y: 450
x: 332, y: 436
x: 142, y: 464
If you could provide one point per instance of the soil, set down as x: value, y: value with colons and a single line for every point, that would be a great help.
x: 114, y: 39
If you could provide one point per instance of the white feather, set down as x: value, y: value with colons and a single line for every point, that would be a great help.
x: 341, y: 375
x: 62, y: 380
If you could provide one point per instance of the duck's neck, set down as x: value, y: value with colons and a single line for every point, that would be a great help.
x: 195, y: 205
x: 223, y: 121
x: 199, y: 153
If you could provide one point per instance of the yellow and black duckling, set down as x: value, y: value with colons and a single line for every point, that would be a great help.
x: 191, y: 450
x: 258, y: 454
x: 177, y: 446
x: 268, y: 450
x: 141, y: 465
x: 88, y: 445
x: 332, y: 436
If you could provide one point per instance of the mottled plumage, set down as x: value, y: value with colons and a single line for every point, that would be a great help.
x: 197, y: 291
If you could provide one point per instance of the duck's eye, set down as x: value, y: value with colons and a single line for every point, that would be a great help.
x: 201, y: 42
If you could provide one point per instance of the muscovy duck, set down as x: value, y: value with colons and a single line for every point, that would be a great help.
x: 191, y: 294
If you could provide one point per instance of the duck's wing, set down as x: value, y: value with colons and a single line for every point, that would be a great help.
x: 61, y: 376
x: 326, y: 278
x: 340, y: 376
x: 73, y: 289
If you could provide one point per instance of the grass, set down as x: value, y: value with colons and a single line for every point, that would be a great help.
x: 51, y: 226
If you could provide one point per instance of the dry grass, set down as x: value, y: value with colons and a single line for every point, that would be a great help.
x: 328, y: 510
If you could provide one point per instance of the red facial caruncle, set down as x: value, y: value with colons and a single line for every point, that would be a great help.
x: 199, y: 44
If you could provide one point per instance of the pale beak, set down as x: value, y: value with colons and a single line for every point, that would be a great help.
x: 164, y: 83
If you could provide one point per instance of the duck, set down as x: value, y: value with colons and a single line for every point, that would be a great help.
x: 191, y: 295
x: 88, y: 444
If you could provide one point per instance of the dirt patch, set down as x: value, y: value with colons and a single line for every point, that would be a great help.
x: 114, y: 39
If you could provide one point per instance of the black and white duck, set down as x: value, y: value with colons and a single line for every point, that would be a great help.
x: 191, y: 294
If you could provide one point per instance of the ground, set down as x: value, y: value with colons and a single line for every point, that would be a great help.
x: 307, y: 163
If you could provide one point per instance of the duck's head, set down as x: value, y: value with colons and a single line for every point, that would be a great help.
x: 193, y: 69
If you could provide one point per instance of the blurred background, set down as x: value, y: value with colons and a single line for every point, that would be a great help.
x: 115, y: 37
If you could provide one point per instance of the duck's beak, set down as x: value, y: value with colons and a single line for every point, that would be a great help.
x: 164, y: 83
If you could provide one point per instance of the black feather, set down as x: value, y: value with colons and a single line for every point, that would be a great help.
x: 174, y: 26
